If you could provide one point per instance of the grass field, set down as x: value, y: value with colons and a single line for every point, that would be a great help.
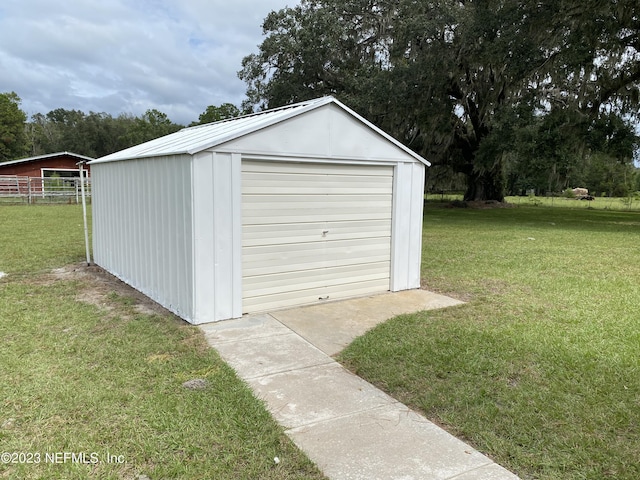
x: 631, y: 203
x: 599, y: 203
x: 88, y: 369
x: 541, y: 368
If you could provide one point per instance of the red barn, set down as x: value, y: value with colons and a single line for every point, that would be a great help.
x: 51, y: 175
x: 61, y: 164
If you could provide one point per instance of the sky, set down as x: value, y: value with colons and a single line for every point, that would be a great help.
x: 128, y: 56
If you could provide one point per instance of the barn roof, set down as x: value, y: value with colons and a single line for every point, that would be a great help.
x: 192, y: 140
x: 48, y: 156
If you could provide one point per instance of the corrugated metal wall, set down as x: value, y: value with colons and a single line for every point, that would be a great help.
x: 406, y: 249
x: 217, y: 236
x: 143, y: 227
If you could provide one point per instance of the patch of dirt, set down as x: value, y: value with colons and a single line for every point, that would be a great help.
x: 100, y: 287
x: 462, y: 296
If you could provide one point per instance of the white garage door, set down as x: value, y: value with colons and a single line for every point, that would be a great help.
x: 312, y: 232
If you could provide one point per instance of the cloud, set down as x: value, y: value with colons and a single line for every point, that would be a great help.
x: 127, y: 56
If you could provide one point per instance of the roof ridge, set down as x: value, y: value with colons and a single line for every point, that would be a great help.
x: 327, y: 99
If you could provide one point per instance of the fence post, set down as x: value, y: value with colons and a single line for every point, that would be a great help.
x: 29, y: 190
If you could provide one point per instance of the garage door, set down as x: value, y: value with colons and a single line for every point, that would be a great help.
x: 313, y: 232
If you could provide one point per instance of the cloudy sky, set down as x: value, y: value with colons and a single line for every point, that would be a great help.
x: 127, y: 56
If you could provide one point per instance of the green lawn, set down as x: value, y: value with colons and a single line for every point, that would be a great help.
x: 599, y: 203
x: 631, y: 203
x: 85, y: 370
x: 541, y: 368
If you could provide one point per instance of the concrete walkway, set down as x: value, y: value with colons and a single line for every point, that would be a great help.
x: 349, y: 428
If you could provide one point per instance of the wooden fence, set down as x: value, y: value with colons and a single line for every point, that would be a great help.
x: 14, y: 189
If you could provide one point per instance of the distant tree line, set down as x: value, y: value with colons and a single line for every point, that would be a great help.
x: 546, y: 155
x: 93, y: 134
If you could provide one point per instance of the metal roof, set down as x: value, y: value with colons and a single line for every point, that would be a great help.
x: 192, y: 140
x: 48, y: 155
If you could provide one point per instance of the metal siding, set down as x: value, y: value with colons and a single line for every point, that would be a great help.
x: 415, y: 234
x: 286, y: 207
x: 327, y: 132
x: 142, y: 227
x: 406, y: 256
x: 217, y: 238
x: 236, y: 214
x: 203, y: 237
x: 223, y: 234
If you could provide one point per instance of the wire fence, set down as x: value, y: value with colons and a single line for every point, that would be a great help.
x: 29, y: 190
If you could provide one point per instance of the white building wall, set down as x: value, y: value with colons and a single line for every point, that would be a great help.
x: 143, y: 227
x: 217, y: 236
x: 325, y: 133
x: 406, y: 237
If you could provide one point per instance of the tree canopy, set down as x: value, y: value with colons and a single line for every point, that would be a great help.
x: 12, y: 124
x: 458, y: 81
x: 215, y: 114
x: 94, y: 134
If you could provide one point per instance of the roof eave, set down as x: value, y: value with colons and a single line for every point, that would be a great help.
x: 45, y: 156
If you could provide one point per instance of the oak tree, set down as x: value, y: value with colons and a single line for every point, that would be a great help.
x: 453, y: 79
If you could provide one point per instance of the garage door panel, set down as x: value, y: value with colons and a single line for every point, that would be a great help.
x: 334, y: 247
x: 302, y: 265
x: 282, y: 233
x: 295, y: 256
x: 295, y: 216
x: 287, y: 299
x: 329, y: 202
x: 318, y: 189
x: 311, y: 231
x: 276, y: 234
x: 261, y: 285
x: 278, y: 184
x: 287, y: 168
x: 333, y: 180
x: 285, y: 187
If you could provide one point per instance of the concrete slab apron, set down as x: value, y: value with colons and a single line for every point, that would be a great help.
x: 349, y: 428
x: 334, y: 325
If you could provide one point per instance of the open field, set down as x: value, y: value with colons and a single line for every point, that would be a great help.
x: 541, y: 368
x: 599, y: 203
x: 90, y: 368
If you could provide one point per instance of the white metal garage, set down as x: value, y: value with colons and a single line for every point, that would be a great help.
x: 293, y: 206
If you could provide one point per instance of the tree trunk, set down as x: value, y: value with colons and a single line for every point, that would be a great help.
x: 487, y: 185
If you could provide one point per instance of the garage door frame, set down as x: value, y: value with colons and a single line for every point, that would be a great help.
x: 217, y: 227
